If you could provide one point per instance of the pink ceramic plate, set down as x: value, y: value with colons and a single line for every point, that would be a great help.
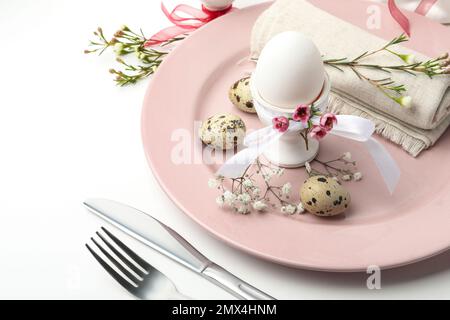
x: 379, y: 229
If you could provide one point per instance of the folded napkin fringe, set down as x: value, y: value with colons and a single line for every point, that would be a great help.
x: 412, y: 145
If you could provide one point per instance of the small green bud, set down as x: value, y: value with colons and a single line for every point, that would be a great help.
x: 445, y: 62
x: 408, y: 58
x: 118, y: 48
x: 443, y: 56
x: 118, y: 33
x: 420, y: 68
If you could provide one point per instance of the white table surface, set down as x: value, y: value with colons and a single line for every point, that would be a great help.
x: 68, y: 133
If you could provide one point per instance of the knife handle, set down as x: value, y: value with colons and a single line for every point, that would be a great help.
x: 232, y: 284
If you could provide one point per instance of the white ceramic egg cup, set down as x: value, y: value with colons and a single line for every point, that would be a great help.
x: 216, y: 5
x: 290, y: 150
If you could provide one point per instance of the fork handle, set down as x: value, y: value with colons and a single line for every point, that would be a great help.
x: 232, y: 284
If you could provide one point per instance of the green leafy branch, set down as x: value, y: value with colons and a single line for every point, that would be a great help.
x: 431, y: 68
x: 126, y: 42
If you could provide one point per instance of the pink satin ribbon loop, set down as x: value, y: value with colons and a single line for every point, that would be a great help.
x: 398, y: 15
x: 423, y: 8
x: 195, y: 18
x: 194, y: 15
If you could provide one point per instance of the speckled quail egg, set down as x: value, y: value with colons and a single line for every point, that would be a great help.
x: 324, y: 196
x: 223, y: 131
x: 241, y: 96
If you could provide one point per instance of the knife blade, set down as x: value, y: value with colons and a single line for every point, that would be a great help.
x: 156, y: 235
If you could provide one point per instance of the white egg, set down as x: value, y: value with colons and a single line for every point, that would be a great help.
x: 289, y: 71
x: 217, y: 4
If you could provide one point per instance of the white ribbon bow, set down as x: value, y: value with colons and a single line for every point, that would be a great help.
x: 350, y: 127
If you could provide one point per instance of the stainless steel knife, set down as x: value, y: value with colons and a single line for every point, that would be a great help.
x: 153, y: 233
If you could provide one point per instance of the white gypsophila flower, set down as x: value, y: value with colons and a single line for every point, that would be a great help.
x: 347, y: 177
x: 283, y: 209
x: 347, y: 156
x: 220, y: 201
x: 213, y: 183
x: 335, y: 178
x: 308, y: 167
x: 280, y: 172
x: 256, y: 191
x: 248, y: 183
x: 259, y: 205
x: 290, y: 209
x: 357, y: 176
x: 244, y: 198
x: 268, y: 176
x: 243, y: 210
x: 229, y: 197
x: 286, y: 188
x: 300, y: 208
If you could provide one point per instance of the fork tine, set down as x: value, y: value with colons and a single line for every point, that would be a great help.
x: 124, y: 283
x: 127, y: 273
x: 129, y: 264
x: 141, y: 262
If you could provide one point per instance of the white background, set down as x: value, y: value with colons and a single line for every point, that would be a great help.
x: 68, y: 133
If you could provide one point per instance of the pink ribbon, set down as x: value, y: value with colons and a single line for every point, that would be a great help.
x: 423, y: 8
x: 194, y: 20
x: 398, y: 15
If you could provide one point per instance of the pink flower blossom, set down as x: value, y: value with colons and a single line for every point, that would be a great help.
x: 302, y: 113
x: 327, y: 121
x: 318, y: 132
x: 280, y: 123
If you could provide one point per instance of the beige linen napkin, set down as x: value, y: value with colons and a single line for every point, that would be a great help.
x: 414, y: 129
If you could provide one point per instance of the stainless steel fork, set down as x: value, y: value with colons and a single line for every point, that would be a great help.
x: 137, y: 276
